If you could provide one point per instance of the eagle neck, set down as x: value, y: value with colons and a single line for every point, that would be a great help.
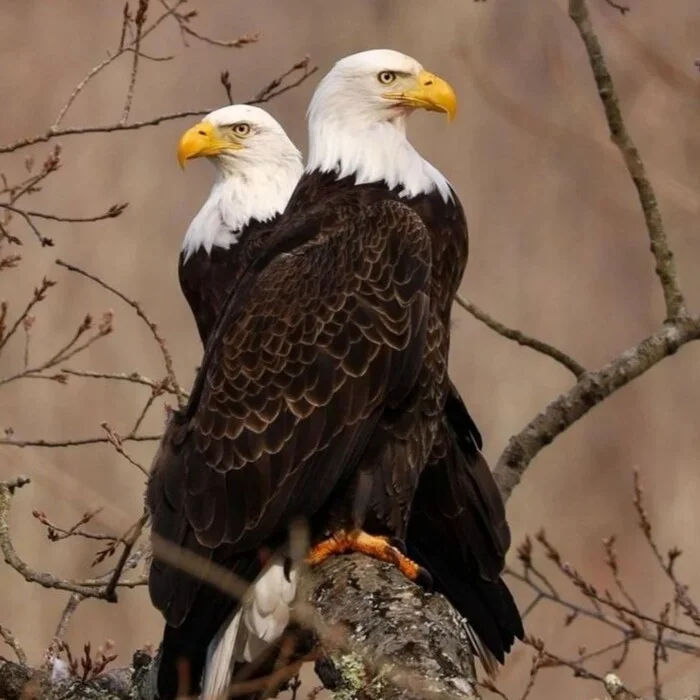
x: 238, y: 199
x: 372, y: 151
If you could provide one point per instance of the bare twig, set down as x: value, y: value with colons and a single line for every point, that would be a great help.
x: 89, y: 588
x: 80, y: 442
x: 116, y: 442
x: 70, y: 349
x: 149, y: 402
x: 12, y: 642
x: 38, y: 296
x: 153, y: 121
x: 273, y: 89
x: 56, y: 533
x: 665, y: 265
x: 71, y: 606
x: 186, y: 30
x: 167, y: 358
x: 114, y: 211
x: 681, y: 591
x: 138, y: 23
x: 544, y: 348
x: 225, y: 79
x: 129, y: 540
x: 31, y: 185
x: 622, y: 9
x: 611, y: 561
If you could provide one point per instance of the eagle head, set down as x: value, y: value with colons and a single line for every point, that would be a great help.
x: 380, y: 85
x: 236, y: 136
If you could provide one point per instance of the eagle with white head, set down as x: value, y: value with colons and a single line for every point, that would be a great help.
x: 257, y: 169
x: 323, y: 393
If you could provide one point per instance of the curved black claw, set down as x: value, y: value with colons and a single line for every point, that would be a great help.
x: 424, y: 579
x: 398, y: 543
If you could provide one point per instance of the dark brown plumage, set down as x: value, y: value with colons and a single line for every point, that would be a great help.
x: 291, y: 409
x: 206, y: 278
x: 324, y: 390
x: 456, y: 500
x: 458, y: 529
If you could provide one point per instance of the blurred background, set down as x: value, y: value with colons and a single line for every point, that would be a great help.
x: 558, y: 249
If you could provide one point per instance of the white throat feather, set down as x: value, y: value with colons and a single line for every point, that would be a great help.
x: 244, y: 190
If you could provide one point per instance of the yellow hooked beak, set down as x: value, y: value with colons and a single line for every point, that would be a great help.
x: 203, y: 139
x: 430, y: 92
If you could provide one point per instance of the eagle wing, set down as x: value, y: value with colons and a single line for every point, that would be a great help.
x: 292, y: 387
x: 458, y: 505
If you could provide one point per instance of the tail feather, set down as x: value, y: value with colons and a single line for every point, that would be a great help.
x: 488, y: 661
x: 220, y: 653
x: 257, y: 623
x: 492, y: 617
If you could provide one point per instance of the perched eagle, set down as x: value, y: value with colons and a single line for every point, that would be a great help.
x: 257, y: 168
x: 326, y: 390
x: 357, y: 131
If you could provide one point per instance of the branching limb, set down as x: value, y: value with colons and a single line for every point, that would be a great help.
x: 38, y: 296
x: 665, y: 265
x: 88, y: 588
x: 139, y: 21
x: 66, y: 352
x: 368, y: 650
x: 589, y: 391
x: 133, y: 377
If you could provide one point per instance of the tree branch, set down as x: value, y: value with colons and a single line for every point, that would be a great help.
x: 665, y: 265
x: 384, y: 635
x: 519, y: 337
x: 167, y: 357
x: 679, y: 328
x: 54, y: 133
x: 589, y: 391
x: 89, y: 588
x: 401, y: 641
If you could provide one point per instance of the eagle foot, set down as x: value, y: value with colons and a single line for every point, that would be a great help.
x: 375, y: 546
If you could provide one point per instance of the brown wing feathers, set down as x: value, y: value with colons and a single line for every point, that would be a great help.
x: 292, y: 387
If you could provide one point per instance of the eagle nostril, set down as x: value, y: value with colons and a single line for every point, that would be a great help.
x: 202, y: 133
x: 428, y: 82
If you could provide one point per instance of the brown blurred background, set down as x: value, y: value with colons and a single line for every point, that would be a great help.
x: 558, y: 250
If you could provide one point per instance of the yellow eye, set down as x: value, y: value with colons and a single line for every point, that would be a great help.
x: 241, y: 129
x: 386, y: 77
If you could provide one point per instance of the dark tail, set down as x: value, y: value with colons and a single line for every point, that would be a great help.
x: 183, y: 651
x: 459, y: 533
x: 487, y: 606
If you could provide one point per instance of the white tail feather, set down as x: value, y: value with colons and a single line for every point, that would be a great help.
x: 259, y: 621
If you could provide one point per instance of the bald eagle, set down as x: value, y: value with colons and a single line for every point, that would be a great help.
x: 347, y: 320
x: 257, y: 168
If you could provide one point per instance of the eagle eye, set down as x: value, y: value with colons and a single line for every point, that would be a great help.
x: 386, y: 77
x: 241, y: 129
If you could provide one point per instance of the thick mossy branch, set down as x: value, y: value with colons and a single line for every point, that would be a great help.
x: 395, y: 639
